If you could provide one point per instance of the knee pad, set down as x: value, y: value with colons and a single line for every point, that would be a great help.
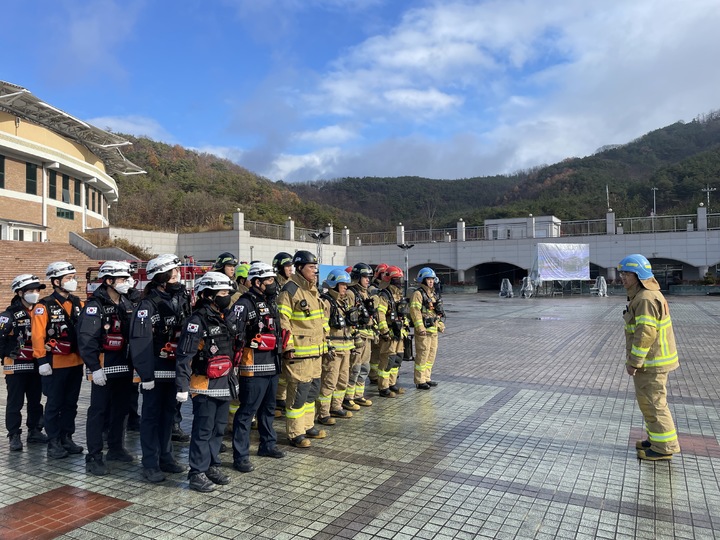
x: 301, y: 396
x: 314, y: 390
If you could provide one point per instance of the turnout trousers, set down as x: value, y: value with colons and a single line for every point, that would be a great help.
x: 651, y: 395
x: 257, y: 398
x: 22, y: 387
x: 62, y: 390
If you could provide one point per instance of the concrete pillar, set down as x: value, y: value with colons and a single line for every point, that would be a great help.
x: 400, y: 233
x: 238, y: 221
x: 701, y: 218
x: 610, y: 221
x: 460, y: 230
x: 530, y: 230
x: 289, y: 229
x: 329, y: 230
x: 345, y: 236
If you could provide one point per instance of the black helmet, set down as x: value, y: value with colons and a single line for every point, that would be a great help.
x: 303, y: 257
x: 361, y: 270
x: 225, y: 259
x: 281, y: 259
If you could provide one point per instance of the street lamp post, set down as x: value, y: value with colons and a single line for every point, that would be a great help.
x: 406, y: 248
x: 707, y: 190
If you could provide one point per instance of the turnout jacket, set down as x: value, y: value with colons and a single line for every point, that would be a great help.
x: 649, y: 336
x: 15, y: 343
x: 155, y: 331
x: 54, y: 318
x: 302, y: 317
x: 103, y: 334
x: 205, y: 336
x: 259, y: 338
x: 422, y: 310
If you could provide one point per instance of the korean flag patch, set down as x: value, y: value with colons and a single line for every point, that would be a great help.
x: 193, y: 328
x: 91, y: 310
x: 142, y: 313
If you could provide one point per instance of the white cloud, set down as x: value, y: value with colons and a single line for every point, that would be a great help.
x: 140, y: 126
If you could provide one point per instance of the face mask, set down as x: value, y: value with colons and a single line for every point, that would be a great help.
x: 70, y: 286
x: 271, y: 290
x: 222, y: 302
x: 31, y: 297
x: 122, y: 288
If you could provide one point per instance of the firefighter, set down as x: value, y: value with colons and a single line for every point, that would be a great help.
x: 258, y: 345
x: 341, y: 317
x: 375, y: 286
x: 103, y: 330
x: 21, y: 375
x: 392, y: 313
x: 204, y: 369
x: 283, y: 266
x: 426, y: 312
x: 650, y: 356
x: 55, y: 348
x: 154, y: 333
x: 302, y: 320
x: 360, y: 275
x: 226, y: 263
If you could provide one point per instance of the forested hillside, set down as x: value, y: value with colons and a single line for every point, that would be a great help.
x: 186, y: 190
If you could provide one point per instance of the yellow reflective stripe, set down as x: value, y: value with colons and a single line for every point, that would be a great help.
x: 294, y: 413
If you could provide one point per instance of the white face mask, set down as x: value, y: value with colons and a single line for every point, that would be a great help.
x: 70, y: 286
x: 122, y: 288
x: 31, y: 297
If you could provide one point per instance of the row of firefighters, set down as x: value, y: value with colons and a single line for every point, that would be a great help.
x: 261, y: 341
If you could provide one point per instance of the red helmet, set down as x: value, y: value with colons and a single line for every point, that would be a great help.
x: 379, y: 270
x: 392, y: 272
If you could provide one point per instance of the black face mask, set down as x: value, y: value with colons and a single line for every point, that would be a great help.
x: 222, y: 302
x: 271, y: 290
x: 173, y: 287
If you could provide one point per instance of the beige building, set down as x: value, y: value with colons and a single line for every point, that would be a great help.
x: 55, y: 170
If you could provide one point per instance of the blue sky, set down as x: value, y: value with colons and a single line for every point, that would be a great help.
x: 300, y: 90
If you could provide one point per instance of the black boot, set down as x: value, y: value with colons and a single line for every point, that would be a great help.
x: 15, y: 443
x: 69, y: 445
x: 94, y: 464
x: 36, y: 435
x: 178, y: 435
x: 55, y: 449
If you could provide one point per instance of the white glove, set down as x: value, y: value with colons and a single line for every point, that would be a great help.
x: 99, y: 377
x: 181, y: 397
x: 45, y: 369
x: 149, y: 385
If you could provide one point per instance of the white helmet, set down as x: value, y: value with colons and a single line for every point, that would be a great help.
x: 213, y: 281
x: 260, y: 270
x: 59, y: 269
x: 114, y: 269
x: 162, y: 263
x: 26, y: 280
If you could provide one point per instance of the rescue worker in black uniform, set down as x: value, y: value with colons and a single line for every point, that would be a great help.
x: 258, y: 344
x: 21, y: 374
x: 154, y: 333
x: 204, y: 369
x: 103, y: 330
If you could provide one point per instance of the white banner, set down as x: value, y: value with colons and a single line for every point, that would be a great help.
x: 563, y: 262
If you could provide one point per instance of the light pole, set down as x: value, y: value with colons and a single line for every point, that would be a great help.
x: 406, y: 248
x: 707, y: 190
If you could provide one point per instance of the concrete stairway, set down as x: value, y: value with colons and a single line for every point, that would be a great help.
x: 33, y: 258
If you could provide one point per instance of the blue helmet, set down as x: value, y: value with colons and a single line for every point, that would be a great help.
x: 337, y: 276
x: 637, y: 264
x: 425, y: 273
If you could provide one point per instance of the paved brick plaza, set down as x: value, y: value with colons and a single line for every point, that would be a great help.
x: 530, y: 434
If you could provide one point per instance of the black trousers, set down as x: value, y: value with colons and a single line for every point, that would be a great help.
x: 210, y: 417
x: 156, y: 420
x: 19, y: 387
x: 62, y: 390
x: 108, y: 404
x: 257, y: 398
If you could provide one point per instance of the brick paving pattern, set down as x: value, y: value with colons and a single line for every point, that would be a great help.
x: 530, y: 434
